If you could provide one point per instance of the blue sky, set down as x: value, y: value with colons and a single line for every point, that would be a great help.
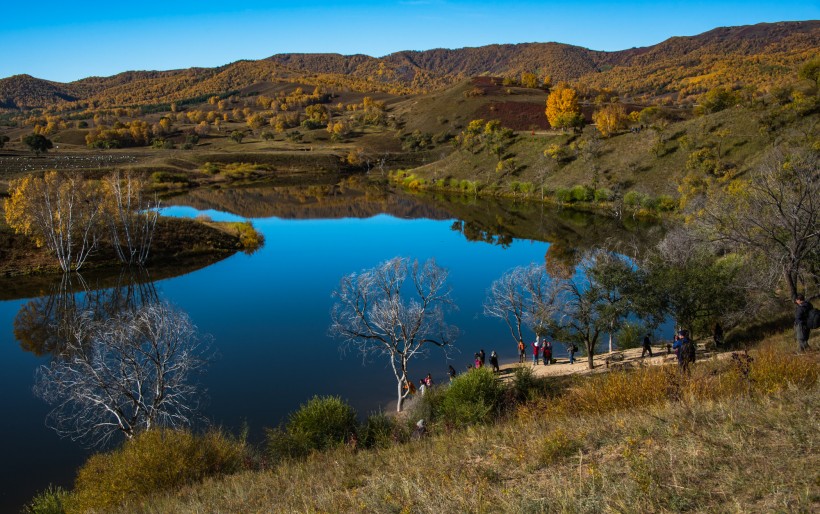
x: 65, y: 41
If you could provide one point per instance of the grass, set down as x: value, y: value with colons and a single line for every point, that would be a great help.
x: 648, y: 441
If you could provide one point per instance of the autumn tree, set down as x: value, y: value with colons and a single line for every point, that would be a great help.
x: 811, y: 71
x: 610, y: 119
x: 379, y: 315
x: 775, y: 214
x: 562, y: 108
x: 529, y: 80
x: 60, y: 211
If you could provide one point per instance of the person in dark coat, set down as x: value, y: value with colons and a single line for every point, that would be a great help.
x: 801, y: 322
x: 483, y: 357
x: 452, y: 372
x: 494, y: 361
x: 647, y: 346
x: 547, y: 353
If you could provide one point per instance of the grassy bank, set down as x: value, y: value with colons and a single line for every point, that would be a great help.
x: 738, y: 435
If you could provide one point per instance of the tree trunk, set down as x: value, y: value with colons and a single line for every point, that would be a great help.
x: 589, y: 359
x: 400, y: 401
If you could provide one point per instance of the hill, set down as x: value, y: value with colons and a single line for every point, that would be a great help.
x: 758, y: 55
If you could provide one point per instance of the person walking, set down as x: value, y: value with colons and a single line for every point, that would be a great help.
x: 536, y: 349
x: 572, y: 349
x: 801, y: 322
x: 647, y: 346
x: 494, y: 361
x: 547, y: 353
x: 685, y: 350
x: 522, y: 351
x: 717, y: 334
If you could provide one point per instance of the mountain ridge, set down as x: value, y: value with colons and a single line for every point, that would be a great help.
x: 765, y: 49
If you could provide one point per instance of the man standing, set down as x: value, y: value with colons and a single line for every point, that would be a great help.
x: 522, y: 351
x: 647, y: 346
x: 801, y: 322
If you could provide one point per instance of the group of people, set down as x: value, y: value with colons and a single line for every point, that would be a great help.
x: 542, y: 350
x: 480, y: 361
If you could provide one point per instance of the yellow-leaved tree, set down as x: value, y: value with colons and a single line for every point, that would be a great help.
x: 610, y: 119
x: 562, y: 108
x: 60, y: 211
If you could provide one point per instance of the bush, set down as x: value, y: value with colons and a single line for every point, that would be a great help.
x: 378, y: 431
x: 563, y: 195
x: 472, y: 398
x: 153, y: 461
x: 251, y: 239
x: 582, y: 194
x: 604, y: 195
x: 321, y: 423
x: 666, y: 203
x: 526, y: 387
x: 50, y: 501
x: 634, y: 198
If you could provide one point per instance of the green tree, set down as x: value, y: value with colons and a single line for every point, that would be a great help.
x: 238, y: 136
x: 38, y: 143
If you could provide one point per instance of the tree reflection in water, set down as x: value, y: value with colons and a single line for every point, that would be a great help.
x: 122, y: 361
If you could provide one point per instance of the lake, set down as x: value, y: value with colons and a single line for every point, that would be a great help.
x: 268, y: 312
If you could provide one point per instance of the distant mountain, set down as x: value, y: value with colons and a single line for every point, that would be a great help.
x: 754, y: 55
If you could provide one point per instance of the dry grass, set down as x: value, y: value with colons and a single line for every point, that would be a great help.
x: 728, y: 439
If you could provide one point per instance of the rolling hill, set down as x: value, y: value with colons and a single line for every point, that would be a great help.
x: 760, y: 56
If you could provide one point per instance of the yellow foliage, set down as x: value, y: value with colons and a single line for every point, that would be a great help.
x: 562, y: 106
x: 610, y: 119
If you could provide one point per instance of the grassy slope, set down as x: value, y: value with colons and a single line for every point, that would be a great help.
x: 626, y: 161
x: 748, y: 453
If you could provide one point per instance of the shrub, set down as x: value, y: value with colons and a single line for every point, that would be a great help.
x: 251, y: 239
x: 377, y: 431
x: 582, y: 194
x: 321, y: 423
x: 563, y: 195
x: 50, y: 501
x: 472, y: 398
x: 604, y: 195
x: 666, y: 203
x: 526, y: 387
x: 153, y: 461
x: 634, y: 198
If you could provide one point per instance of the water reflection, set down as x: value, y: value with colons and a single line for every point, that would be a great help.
x: 43, y: 324
x: 121, y: 360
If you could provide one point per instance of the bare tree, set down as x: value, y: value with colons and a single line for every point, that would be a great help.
x: 131, y: 217
x: 61, y: 211
x: 776, y: 213
x: 124, y: 375
x: 522, y: 297
x: 373, y: 316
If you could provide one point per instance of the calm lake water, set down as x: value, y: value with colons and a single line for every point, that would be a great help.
x: 268, y: 312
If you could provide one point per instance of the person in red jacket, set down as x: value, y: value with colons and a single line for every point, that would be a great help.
x: 536, y: 350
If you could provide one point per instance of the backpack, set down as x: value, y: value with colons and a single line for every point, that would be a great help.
x: 813, y: 319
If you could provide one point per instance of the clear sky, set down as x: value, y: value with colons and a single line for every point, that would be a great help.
x: 65, y: 41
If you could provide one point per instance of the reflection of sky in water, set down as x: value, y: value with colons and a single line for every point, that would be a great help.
x: 268, y: 313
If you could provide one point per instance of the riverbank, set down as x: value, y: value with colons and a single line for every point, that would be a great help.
x: 180, y: 245
x: 645, y: 441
